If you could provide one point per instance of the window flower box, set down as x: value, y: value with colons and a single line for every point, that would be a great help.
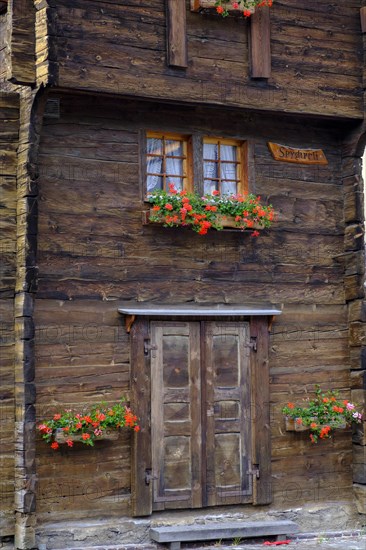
x: 231, y: 6
x: 296, y: 425
x: 63, y: 437
x: 227, y: 222
x: 101, y: 421
x: 201, y: 213
x: 321, y: 415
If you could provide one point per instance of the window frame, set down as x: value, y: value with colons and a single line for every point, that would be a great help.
x: 242, y: 160
x: 194, y: 143
x: 187, y: 177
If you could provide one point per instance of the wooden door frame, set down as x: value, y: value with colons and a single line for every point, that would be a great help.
x: 141, y: 466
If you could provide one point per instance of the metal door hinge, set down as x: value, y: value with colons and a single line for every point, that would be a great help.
x: 149, y: 476
x: 148, y: 347
x: 253, y: 343
x: 255, y: 471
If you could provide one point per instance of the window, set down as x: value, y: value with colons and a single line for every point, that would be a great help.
x: 167, y: 162
x: 223, y: 164
x: 219, y: 164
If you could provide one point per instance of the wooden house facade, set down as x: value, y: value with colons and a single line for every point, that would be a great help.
x: 208, y: 336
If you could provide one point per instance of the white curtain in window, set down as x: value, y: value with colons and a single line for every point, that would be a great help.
x: 228, y: 169
x: 154, y: 164
x: 174, y: 166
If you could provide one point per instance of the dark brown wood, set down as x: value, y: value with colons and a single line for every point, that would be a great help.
x: 22, y: 52
x: 262, y: 490
x: 176, y: 33
x: 363, y: 19
x: 175, y: 415
x: 260, y: 43
x: 141, y: 461
x: 227, y: 408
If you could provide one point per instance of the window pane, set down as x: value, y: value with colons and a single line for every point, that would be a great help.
x: 154, y: 146
x: 210, y: 186
x: 154, y: 183
x: 228, y: 188
x: 154, y: 165
x: 210, y: 169
x: 174, y: 167
x: 173, y: 148
x: 228, y: 153
x: 228, y: 171
x: 210, y: 151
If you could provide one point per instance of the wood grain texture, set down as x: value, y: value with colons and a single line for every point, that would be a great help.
x: 176, y: 34
x: 22, y: 45
x: 260, y: 43
x: 106, y: 56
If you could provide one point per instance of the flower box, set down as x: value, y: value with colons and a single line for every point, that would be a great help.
x: 197, y: 5
x: 227, y: 222
x: 293, y: 426
x: 61, y: 436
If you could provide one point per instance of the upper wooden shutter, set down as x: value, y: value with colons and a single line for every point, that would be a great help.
x: 227, y: 413
x: 175, y: 415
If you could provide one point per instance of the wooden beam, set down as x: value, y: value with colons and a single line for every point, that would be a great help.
x: 176, y: 33
x: 363, y: 19
x: 260, y: 43
x: 22, y: 46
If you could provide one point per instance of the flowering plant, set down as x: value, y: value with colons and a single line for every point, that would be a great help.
x: 247, y: 6
x: 323, y: 414
x: 90, y: 425
x: 175, y: 208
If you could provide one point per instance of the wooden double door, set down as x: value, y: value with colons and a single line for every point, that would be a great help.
x: 199, y: 446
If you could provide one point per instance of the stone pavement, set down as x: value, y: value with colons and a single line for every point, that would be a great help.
x: 342, y: 541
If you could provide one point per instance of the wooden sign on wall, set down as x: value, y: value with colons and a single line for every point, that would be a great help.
x: 298, y: 156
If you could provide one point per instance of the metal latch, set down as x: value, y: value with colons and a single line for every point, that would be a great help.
x: 253, y: 343
x: 149, y: 476
x: 255, y: 471
x: 148, y: 347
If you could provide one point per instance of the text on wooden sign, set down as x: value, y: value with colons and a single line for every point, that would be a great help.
x: 299, y: 156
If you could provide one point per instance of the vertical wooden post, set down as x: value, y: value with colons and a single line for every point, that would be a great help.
x: 260, y: 43
x: 176, y: 33
x: 22, y: 45
x: 363, y: 19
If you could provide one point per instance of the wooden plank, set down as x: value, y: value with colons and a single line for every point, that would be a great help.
x: 363, y: 18
x: 262, y: 492
x: 176, y: 34
x: 260, y: 43
x: 141, y: 497
x: 227, y: 407
x: 22, y: 49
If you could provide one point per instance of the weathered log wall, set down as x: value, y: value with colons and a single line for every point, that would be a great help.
x: 121, y: 47
x: 93, y: 252
x: 4, y: 51
x: 9, y: 130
